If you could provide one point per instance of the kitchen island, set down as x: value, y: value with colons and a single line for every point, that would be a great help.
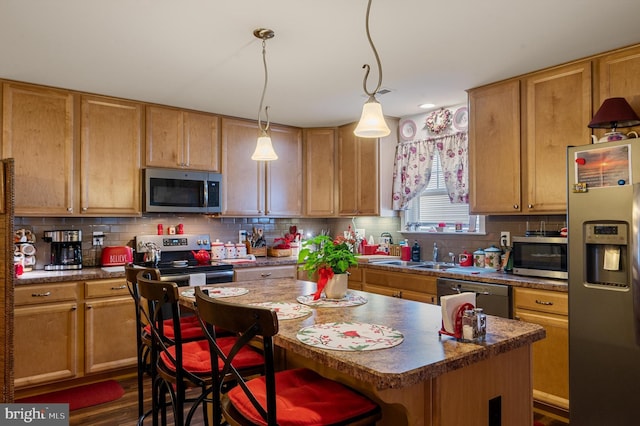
x: 425, y: 380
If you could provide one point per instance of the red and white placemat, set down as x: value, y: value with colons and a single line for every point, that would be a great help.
x: 218, y: 291
x: 350, y: 336
x: 286, y: 311
x: 350, y: 299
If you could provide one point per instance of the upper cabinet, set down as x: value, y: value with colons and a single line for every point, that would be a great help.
x: 61, y: 174
x: 110, y: 140
x: 519, y: 131
x: 182, y: 139
x: 358, y: 186
x: 320, y: 172
x: 619, y: 76
x: 37, y: 131
x: 259, y: 188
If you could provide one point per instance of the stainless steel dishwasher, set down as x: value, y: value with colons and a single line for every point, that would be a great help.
x: 495, y: 299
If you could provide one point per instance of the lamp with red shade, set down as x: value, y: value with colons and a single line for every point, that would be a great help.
x: 614, y: 113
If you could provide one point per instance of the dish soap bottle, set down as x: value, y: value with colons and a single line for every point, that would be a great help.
x: 415, y: 252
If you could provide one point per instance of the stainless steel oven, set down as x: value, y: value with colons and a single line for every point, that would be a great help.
x: 177, y: 262
x: 540, y: 257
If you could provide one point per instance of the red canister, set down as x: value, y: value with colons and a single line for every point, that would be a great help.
x: 160, y: 229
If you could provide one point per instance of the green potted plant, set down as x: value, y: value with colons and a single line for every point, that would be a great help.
x: 330, y: 259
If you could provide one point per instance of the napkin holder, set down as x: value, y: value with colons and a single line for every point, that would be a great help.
x: 458, y: 322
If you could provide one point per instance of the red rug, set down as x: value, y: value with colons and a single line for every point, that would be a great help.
x: 81, y: 396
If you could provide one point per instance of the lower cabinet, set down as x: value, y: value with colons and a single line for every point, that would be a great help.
x: 70, y: 330
x: 109, y: 326
x: 356, y: 275
x: 550, y: 355
x: 45, y: 334
x: 421, y: 288
x: 265, y: 272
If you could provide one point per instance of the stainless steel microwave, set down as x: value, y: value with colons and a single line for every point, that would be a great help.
x: 182, y: 191
x: 540, y: 257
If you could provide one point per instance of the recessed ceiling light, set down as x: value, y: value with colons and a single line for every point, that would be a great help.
x: 426, y: 106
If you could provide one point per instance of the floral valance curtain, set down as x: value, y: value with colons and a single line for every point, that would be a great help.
x: 412, y: 168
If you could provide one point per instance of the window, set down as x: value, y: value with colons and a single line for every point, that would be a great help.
x: 432, y: 208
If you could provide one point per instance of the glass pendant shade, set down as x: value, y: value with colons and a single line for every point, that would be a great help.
x: 264, y: 150
x: 372, y: 123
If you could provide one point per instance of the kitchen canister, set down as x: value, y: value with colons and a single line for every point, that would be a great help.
x: 230, y: 250
x: 478, y: 258
x: 241, y: 250
x: 492, y: 257
x: 217, y: 250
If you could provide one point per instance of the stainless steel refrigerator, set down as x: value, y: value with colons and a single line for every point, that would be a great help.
x: 604, y: 283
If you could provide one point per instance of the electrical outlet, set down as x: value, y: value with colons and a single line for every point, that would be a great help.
x: 98, y: 238
x: 505, y: 239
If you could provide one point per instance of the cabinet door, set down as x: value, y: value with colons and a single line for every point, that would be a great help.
x: 111, y: 139
x: 201, y: 141
x: 618, y: 76
x: 494, y: 149
x: 164, y: 137
x: 558, y: 106
x: 45, y: 343
x: 358, y: 187
x: 110, y: 334
x: 37, y: 131
x: 550, y: 358
x: 242, y: 178
x: 319, y: 172
x: 284, y: 176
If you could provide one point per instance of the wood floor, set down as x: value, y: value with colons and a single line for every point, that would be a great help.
x: 124, y: 411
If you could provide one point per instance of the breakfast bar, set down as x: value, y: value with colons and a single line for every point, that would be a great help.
x: 417, y: 376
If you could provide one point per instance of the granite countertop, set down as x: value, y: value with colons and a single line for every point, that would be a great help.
x: 96, y: 273
x: 421, y: 356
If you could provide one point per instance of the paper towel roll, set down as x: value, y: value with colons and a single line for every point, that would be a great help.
x: 196, y: 280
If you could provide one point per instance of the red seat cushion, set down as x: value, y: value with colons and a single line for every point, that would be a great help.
x: 303, y: 397
x: 196, y: 357
x: 189, y: 327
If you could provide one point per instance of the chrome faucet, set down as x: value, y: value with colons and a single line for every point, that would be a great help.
x: 452, y: 256
x: 435, y: 252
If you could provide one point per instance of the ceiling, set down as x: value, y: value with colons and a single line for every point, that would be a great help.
x: 201, y: 54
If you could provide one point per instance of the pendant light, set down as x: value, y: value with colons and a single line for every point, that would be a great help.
x: 372, y: 123
x: 264, y: 150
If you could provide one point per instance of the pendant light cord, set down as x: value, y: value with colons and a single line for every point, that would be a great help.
x: 366, y: 66
x: 264, y: 89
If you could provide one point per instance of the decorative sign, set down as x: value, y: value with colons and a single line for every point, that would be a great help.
x: 601, y: 168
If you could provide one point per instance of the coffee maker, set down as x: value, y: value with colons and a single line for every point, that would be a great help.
x: 66, y: 249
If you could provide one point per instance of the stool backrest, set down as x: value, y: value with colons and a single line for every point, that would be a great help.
x: 249, y: 322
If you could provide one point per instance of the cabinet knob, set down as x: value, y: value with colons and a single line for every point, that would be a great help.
x: 89, y: 307
x: 73, y: 308
x: 530, y: 206
x: 84, y: 209
x: 516, y: 206
x: 69, y: 209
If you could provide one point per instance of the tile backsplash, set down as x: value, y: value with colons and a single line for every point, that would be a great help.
x: 122, y: 230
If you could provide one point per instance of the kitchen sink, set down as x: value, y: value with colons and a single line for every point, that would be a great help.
x: 396, y: 262
x: 442, y: 266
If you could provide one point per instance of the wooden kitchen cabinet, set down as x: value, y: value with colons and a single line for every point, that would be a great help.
x: 95, y: 174
x: 320, y: 172
x: 70, y: 331
x: 177, y: 138
x: 265, y: 272
x: 38, y: 132
x: 421, y: 288
x: 550, y: 355
x: 261, y: 188
x: 109, y: 326
x: 618, y: 74
x: 523, y: 127
x: 356, y: 277
x: 358, y: 186
x: 110, y: 144
x: 46, y: 337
